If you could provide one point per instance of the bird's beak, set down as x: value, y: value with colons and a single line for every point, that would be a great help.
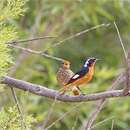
x: 98, y: 59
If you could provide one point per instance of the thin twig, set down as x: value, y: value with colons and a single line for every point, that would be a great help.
x: 88, y: 124
x: 78, y: 34
x: 75, y: 123
x: 126, y: 89
x: 31, y: 39
x: 33, y: 33
x: 112, y: 125
x: 121, y: 42
x: 21, y: 115
x: 101, y: 122
x: 36, y: 52
x: 49, y: 114
x: 23, y: 126
x: 66, y: 113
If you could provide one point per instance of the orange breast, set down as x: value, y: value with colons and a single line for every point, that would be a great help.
x: 84, y: 79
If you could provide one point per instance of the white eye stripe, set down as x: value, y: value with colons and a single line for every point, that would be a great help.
x: 76, y: 76
x: 86, y: 63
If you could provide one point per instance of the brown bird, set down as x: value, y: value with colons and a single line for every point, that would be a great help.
x: 63, y: 76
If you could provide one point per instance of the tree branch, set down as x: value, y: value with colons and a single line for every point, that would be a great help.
x: 120, y: 39
x: 29, y: 40
x: 50, y: 93
x: 36, y: 52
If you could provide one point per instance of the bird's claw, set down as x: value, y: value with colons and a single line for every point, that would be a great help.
x: 61, y: 93
x: 82, y: 94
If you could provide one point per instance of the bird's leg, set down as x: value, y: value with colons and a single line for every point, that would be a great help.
x: 80, y: 91
x: 63, y: 90
x: 75, y: 90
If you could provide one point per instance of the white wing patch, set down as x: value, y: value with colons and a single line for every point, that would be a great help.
x: 76, y: 76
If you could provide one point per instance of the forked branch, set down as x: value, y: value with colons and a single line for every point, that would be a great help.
x: 50, y: 93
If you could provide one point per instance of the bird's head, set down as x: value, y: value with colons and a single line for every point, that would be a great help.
x: 90, y: 62
x: 66, y: 64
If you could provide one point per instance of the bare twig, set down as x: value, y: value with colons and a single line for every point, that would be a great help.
x: 101, y: 122
x: 65, y: 114
x: 29, y: 40
x: 88, y: 124
x: 75, y: 123
x: 49, y: 114
x: 50, y: 93
x: 23, y: 126
x: 55, y: 44
x: 112, y: 125
x: 36, y: 52
x: 121, y: 42
x: 78, y: 34
x: 126, y: 89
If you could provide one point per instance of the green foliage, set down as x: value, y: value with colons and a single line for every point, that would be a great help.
x: 7, y: 33
x: 10, y: 119
x: 9, y: 9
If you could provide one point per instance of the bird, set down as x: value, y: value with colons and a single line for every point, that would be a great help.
x: 64, y: 74
x: 84, y: 75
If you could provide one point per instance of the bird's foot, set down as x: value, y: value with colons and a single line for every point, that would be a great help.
x: 82, y: 94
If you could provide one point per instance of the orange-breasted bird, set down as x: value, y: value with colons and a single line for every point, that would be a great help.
x: 83, y: 76
x: 63, y: 76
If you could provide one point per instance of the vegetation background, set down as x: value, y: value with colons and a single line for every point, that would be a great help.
x: 63, y: 18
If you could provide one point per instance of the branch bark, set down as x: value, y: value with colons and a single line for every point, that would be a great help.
x: 50, y: 93
x: 127, y: 88
x: 36, y: 52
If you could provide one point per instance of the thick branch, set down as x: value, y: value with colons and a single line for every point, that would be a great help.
x: 43, y: 91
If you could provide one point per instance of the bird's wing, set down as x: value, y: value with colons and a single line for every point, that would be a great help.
x: 63, y: 76
x: 77, y: 75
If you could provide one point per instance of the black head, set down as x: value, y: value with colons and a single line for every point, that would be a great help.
x: 90, y: 61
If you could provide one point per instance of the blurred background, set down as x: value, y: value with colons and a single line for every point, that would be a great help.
x: 63, y: 18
